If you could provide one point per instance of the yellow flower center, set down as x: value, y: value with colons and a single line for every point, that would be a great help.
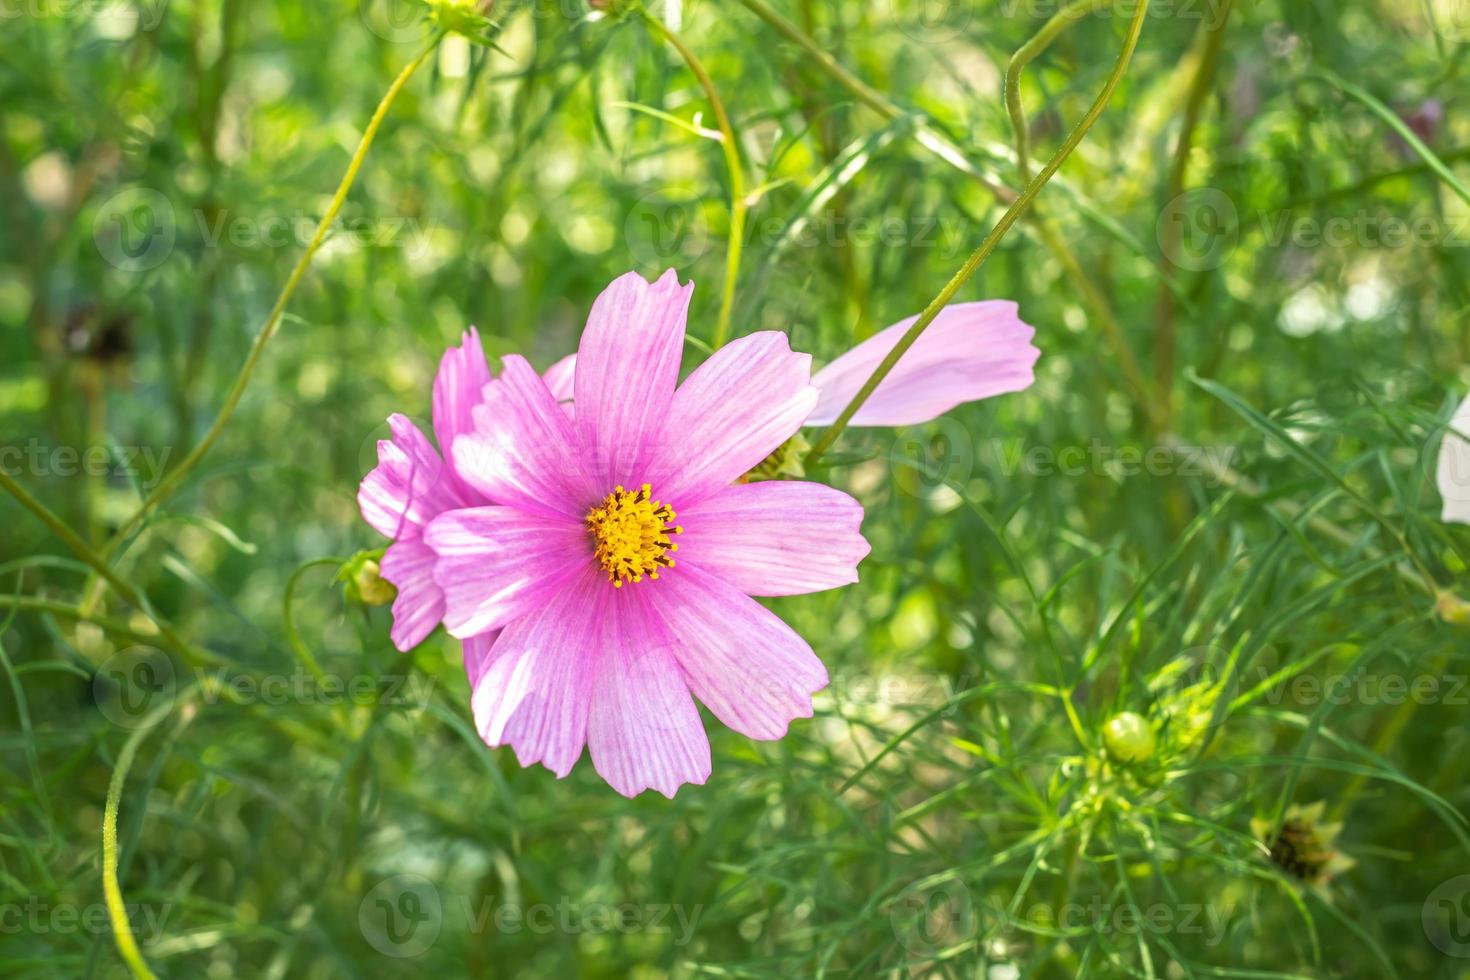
x: 632, y: 534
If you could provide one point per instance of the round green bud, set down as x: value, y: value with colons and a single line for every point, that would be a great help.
x: 1129, y: 737
x: 364, y: 580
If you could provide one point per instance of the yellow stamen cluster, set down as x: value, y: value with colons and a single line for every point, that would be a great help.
x: 632, y: 534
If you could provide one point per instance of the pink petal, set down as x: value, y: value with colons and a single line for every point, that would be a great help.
x: 970, y: 351
x: 774, y: 538
x: 734, y: 410
x: 409, y: 565
x: 476, y: 650
x: 408, y: 487
x: 534, y: 690
x: 627, y: 368
x: 747, y: 666
x: 458, y: 388
x: 496, y: 564
x: 644, y: 730
x: 522, y: 452
x: 1453, y: 473
x: 560, y: 381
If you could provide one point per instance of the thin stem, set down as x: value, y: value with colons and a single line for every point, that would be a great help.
x: 1291, y: 510
x: 84, y: 551
x: 1091, y: 294
x: 170, y: 483
x: 933, y: 140
x: 1165, y: 340
x: 928, y: 137
x: 70, y: 612
x: 117, y: 912
x: 738, y: 203
x: 1028, y: 53
x: 288, y: 618
x: 1007, y: 220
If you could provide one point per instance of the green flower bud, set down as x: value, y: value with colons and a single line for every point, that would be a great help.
x: 364, y: 580
x: 1129, y: 737
x: 459, y: 16
x: 1453, y: 609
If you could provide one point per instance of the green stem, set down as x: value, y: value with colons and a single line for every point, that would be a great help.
x: 70, y: 612
x: 928, y: 136
x: 1165, y: 337
x: 170, y: 483
x: 738, y: 203
x: 82, y: 550
x: 117, y: 912
x: 1290, y: 510
x: 288, y: 618
x: 1028, y: 53
x: 1091, y: 294
x: 1007, y: 220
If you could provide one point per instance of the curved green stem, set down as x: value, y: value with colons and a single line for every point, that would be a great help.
x: 1007, y: 220
x: 288, y: 618
x: 738, y: 203
x: 117, y: 912
x: 1028, y: 53
x: 1091, y: 294
x: 170, y: 483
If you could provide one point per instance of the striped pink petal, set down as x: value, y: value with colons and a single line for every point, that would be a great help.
x: 741, y: 661
x: 970, y: 351
x: 734, y: 410
x: 629, y: 367
x: 643, y: 730
x: 775, y: 538
x: 523, y: 451
x: 535, y: 686
x: 408, y: 487
x: 497, y: 564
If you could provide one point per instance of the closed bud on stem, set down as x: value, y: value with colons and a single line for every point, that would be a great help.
x: 1129, y: 737
x: 459, y: 16
x: 1453, y: 609
x: 364, y: 582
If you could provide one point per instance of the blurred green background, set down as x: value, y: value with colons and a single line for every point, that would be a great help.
x: 1233, y: 542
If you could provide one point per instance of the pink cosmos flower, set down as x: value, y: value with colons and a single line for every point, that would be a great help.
x: 599, y: 562
x: 1453, y: 473
x: 587, y: 539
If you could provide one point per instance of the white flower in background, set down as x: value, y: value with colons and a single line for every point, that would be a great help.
x: 1454, y: 467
